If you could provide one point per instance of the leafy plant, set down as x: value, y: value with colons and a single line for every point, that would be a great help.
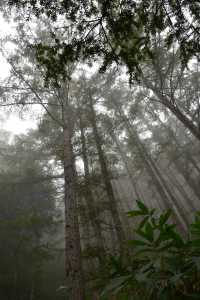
x: 163, y: 264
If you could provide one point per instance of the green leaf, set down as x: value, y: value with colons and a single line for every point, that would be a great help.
x: 152, y: 211
x: 164, y: 294
x: 142, y: 207
x: 196, y: 243
x: 178, y: 241
x: 143, y: 222
x: 149, y: 232
x: 115, y: 285
x: 164, y: 217
x: 137, y: 243
x: 135, y: 213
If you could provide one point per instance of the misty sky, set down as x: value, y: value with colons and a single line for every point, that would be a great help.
x: 12, y: 121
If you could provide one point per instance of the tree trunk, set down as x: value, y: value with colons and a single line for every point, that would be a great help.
x: 178, y: 164
x: 173, y: 199
x: 172, y: 135
x: 174, y: 181
x: 184, y: 119
x: 165, y: 193
x: 194, y: 129
x: 171, y: 105
x: 90, y: 199
x: 72, y: 237
x: 125, y: 162
x: 190, y: 181
x: 106, y: 178
x: 195, y: 165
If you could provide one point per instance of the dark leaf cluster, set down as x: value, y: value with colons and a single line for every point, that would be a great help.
x: 120, y: 32
x: 163, y: 264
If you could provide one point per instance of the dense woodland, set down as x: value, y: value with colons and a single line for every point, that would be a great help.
x: 102, y: 199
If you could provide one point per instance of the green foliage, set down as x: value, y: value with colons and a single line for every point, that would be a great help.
x: 163, y: 264
x: 122, y: 33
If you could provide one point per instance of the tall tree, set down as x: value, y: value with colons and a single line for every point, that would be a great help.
x: 106, y: 177
x: 27, y: 81
x: 93, y: 215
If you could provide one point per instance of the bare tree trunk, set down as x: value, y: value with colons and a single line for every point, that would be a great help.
x: 195, y: 165
x: 173, y: 199
x: 178, y: 164
x: 106, y: 178
x: 90, y: 199
x: 72, y: 237
x: 148, y: 166
x: 171, y: 105
x: 174, y: 181
x: 154, y: 172
x: 126, y: 164
x: 184, y: 119
x: 172, y: 135
x: 190, y: 181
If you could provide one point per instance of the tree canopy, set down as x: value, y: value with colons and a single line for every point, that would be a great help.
x: 119, y: 32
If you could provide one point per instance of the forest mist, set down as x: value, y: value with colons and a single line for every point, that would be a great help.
x: 111, y: 168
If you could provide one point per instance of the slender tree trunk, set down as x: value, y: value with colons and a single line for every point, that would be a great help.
x: 73, y: 262
x: 181, y: 189
x: 166, y: 194
x: 178, y: 164
x: 172, y: 135
x: 106, y: 178
x: 127, y: 166
x: 90, y: 199
x: 195, y: 165
x: 169, y: 103
x: 123, y: 207
x: 171, y: 195
x: 148, y: 166
x: 184, y: 119
x: 191, y: 183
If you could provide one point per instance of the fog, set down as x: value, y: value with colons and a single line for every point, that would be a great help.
x: 99, y: 153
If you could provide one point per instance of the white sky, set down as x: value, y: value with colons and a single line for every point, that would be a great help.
x: 11, y: 122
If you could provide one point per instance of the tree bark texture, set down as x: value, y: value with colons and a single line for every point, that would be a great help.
x: 159, y: 181
x: 106, y: 178
x: 93, y: 215
x: 73, y: 262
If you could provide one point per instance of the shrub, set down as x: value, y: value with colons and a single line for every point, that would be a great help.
x: 162, y: 265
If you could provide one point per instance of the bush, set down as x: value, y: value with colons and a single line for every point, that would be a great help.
x: 162, y: 265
